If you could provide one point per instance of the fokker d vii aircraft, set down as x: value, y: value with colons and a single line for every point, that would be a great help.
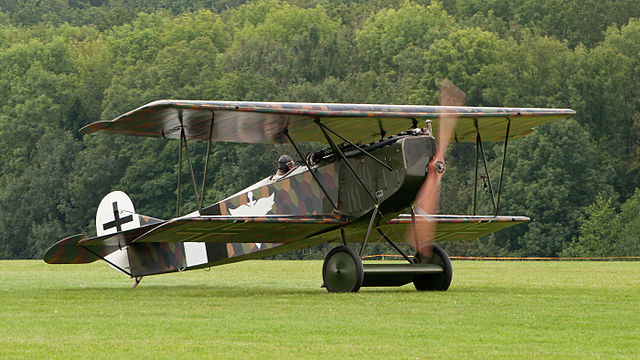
x: 380, y: 174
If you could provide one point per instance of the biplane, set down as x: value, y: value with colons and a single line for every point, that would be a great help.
x: 379, y: 176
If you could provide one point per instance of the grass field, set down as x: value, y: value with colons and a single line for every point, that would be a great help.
x: 276, y: 309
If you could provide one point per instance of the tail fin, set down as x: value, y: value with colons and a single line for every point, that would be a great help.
x: 115, y: 214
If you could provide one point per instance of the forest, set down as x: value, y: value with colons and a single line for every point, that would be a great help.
x: 66, y: 63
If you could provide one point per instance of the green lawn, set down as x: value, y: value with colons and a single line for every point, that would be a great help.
x: 277, y: 309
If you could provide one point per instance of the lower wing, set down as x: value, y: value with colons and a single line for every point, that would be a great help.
x: 462, y: 227
x: 243, y: 229
x: 169, y: 245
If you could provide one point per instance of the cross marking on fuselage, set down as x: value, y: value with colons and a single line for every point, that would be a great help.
x: 117, y: 223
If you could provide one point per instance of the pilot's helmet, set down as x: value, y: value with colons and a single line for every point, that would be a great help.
x: 283, y: 163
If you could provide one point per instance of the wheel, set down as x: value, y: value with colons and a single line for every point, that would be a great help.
x: 342, y: 270
x: 440, y: 281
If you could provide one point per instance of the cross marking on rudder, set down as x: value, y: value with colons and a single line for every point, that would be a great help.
x: 118, y: 222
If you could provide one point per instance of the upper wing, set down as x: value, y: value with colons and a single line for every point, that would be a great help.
x: 462, y: 227
x: 263, y: 122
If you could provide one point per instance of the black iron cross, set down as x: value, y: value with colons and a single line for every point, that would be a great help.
x: 117, y: 223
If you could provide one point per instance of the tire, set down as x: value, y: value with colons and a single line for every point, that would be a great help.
x: 437, y: 282
x: 342, y: 270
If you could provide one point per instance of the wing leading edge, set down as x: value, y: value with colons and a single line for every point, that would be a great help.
x: 224, y: 229
x: 242, y: 229
x: 265, y: 122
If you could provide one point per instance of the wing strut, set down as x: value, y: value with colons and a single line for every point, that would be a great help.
x: 475, y: 179
x: 480, y: 151
x: 504, y: 158
x: 179, y: 175
x: 337, y: 151
x: 206, y: 162
x: 183, y: 143
x: 358, y: 147
x: 313, y: 173
x: 193, y: 175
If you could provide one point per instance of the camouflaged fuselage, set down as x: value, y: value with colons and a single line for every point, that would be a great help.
x: 288, y: 213
x: 297, y: 193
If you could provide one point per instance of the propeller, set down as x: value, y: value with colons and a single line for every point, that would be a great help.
x: 422, y: 231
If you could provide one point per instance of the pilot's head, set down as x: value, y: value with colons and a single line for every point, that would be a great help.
x: 285, y: 163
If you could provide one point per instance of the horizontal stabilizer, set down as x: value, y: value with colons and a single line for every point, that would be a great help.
x: 120, y: 239
x: 242, y: 229
x: 67, y: 251
x: 462, y: 227
x: 78, y: 249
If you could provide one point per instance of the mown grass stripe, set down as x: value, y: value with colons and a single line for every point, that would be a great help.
x: 277, y: 309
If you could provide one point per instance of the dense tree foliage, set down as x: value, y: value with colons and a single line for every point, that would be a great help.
x: 607, y: 232
x: 66, y: 63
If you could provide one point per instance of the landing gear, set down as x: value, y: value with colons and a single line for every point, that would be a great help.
x: 439, y: 282
x: 342, y: 270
